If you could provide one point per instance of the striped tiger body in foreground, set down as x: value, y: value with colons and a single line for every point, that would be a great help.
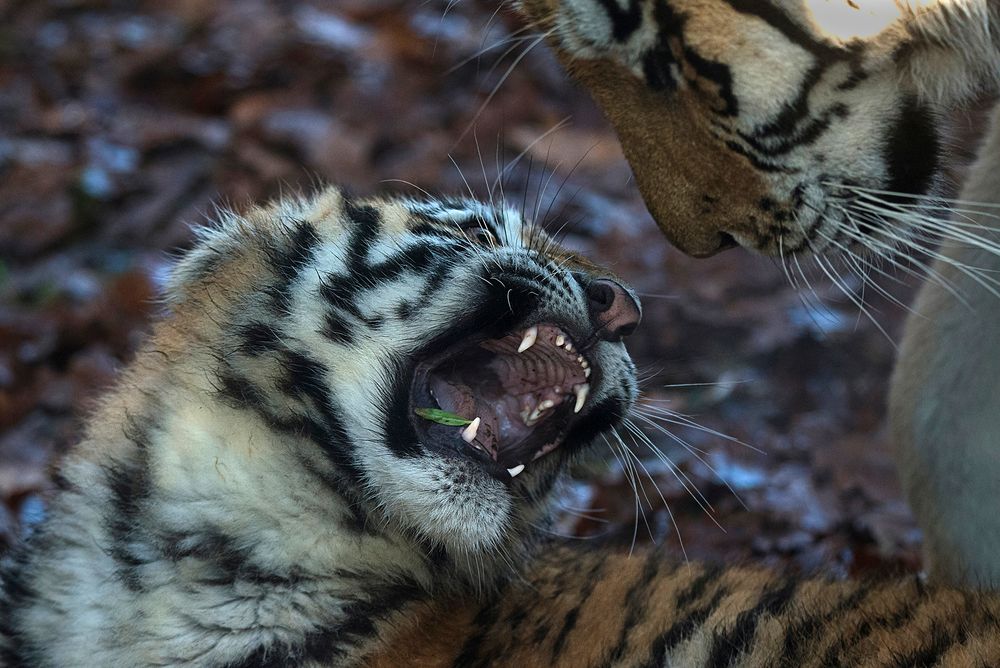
x: 579, y: 608
x: 259, y: 492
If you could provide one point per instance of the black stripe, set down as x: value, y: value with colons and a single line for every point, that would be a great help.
x: 635, y: 604
x: 792, y: 31
x: 940, y: 641
x: 470, y: 655
x: 238, y: 391
x: 796, y: 139
x: 887, y: 621
x: 602, y: 417
x: 229, y: 561
x: 361, y: 615
x: 15, y: 596
x: 366, y: 223
x: 287, y: 258
x: 589, y: 579
x: 799, y: 636
x: 719, y: 74
x: 307, y: 378
x: 130, y: 486
x: 754, y: 160
x: 337, y: 330
x: 912, y: 151
x: 624, y: 22
x: 257, y: 338
x: 726, y: 647
x: 681, y: 629
x: 326, y: 645
x: 290, y: 257
x: 423, y: 259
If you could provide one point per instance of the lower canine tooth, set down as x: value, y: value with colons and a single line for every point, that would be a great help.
x: 530, y: 335
x: 470, y: 431
x: 581, y: 396
x: 514, y: 471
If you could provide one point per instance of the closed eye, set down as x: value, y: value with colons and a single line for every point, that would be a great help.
x: 475, y: 230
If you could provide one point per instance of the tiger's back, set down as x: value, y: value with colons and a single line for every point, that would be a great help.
x: 586, y: 607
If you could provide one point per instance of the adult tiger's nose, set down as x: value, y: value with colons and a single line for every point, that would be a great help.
x: 614, y: 312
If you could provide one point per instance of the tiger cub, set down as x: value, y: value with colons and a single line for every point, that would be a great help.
x: 815, y: 129
x: 340, y: 445
x: 259, y: 488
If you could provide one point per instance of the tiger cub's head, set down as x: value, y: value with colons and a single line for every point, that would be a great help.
x: 785, y: 126
x: 352, y: 333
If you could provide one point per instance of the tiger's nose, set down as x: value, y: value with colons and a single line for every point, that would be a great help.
x: 614, y: 312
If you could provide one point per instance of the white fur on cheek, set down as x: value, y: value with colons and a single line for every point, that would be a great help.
x: 446, y: 500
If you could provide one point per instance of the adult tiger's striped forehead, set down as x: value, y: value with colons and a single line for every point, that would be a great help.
x: 780, y: 124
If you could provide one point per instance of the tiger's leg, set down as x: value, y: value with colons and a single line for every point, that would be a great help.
x: 945, y: 399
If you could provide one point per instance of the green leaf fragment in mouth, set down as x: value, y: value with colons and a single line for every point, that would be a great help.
x: 442, y: 417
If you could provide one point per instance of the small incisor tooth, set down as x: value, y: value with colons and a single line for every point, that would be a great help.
x: 560, y: 340
x: 586, y: 371
x: 530, y: 335
x: 581, y: 396
x: 470, y: 431
x: 515, y: 470
x: 546, y: 405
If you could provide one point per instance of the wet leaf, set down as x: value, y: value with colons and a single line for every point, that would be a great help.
x: 442, y: 417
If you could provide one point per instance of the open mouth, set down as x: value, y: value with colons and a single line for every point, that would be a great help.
x: 520, y: 393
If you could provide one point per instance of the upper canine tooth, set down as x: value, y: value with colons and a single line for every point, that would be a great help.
x: 560, y: 339
x: 515, y: 470
x: 530, y: 335
x: 581, y: 396
x: 470, y: 431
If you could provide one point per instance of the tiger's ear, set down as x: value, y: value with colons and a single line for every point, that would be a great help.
x: 946, y: 51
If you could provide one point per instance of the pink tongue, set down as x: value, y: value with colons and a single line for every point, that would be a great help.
x: 454, y: 397
x: 458, y: 398
x: 495, y: 418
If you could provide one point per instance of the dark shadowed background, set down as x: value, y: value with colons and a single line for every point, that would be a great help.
x: 122, y: 123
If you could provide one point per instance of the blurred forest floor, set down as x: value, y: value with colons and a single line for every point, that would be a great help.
x: 122, y: 123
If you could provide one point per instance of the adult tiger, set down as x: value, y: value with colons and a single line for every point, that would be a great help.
x: 766, y: 124
x: 745, y: 123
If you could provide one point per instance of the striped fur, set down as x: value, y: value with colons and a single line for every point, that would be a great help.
x: 758, y: 120
x: 253, y: 492
x: 588, y: 608
x: 250, y: 496
x: 814, y: 128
